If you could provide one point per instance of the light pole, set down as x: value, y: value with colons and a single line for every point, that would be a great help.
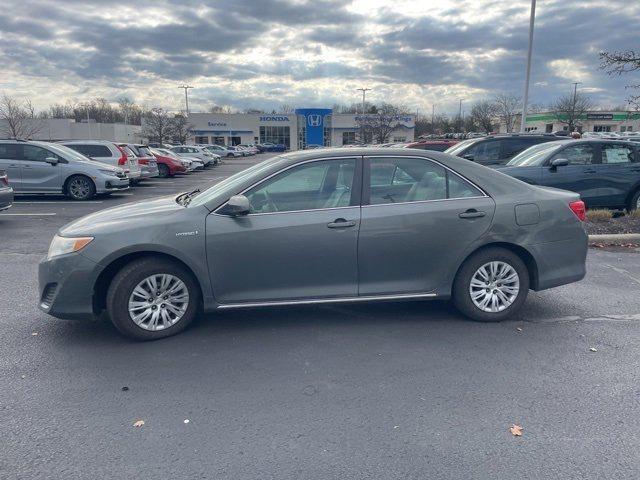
x: 525, y: 96
x: 364, y: 91
x: 573, y: 103
x: 186, y: 96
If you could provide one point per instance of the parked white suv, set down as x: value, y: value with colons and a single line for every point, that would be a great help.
x: 195, y: 151
x: 108, y: 152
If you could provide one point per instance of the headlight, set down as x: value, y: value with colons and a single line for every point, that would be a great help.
x: 63, y: 245
x: 108, y: 172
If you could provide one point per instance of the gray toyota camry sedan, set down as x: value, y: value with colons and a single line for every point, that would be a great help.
x: 322, y: 226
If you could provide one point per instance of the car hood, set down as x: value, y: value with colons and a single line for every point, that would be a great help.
x: 129, y: 216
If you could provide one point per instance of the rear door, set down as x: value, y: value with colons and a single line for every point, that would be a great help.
x: 484, y: 152
x: 618, y: 173
x: 10, y: 164
x: 580, y: 175
x: 417, y: 220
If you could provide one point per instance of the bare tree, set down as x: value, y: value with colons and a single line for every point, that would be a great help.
x: 180, y: 128
x: 620, y: 63
x: 378, y: 125
x: 157, y: 125
x: 18, y: 119
x: 569, y: 109
x: 507, y: 107
x: 483, y: 114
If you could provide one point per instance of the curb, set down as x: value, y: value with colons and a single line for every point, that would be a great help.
x: 614, y: 239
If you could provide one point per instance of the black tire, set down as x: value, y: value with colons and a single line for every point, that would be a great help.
x: 163, y: 171
x: 79, y: 187
x: 126, y: 281
x: 634, y: 201
x: 461, y: 286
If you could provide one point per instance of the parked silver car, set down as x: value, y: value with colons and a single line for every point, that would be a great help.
x: 223, y: 151
x: 43, y: 167
x: 146, y: 160
x: 319, y: 227
x: 195, y: 151
x: 108, y: 152
x: 6, y: 192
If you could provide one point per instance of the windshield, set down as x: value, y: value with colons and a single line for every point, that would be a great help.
x: 534, y: 156
x: 233, y: 180
x: 458, y: 147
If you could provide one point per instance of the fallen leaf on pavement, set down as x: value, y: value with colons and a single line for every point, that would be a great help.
x: 516, y: 430
x: 33, y: 334
x: 186, y: 420
x: 593, y: 349
x: 138, y: 423
x: 125, y: 389
x: 519, y: 329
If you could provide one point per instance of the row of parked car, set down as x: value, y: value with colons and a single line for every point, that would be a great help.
x: 81, y: 169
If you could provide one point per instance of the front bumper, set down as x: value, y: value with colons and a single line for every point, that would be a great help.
x: 66, y: 286
x: 6, y: 198
x: 113, y: 183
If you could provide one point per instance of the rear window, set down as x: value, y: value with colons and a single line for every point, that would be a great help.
x: 8, y: 151
x: 145, y: 151
x: 91, y: 151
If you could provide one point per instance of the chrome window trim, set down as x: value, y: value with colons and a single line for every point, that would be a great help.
x: 364, y: 298
x: 424, y: 201
x: 484, y: 194
x: 349, y: 157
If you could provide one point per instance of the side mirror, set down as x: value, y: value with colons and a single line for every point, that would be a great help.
x: 469, y: 156
x: 237, y: 205
x: 51, y: 160
x: 559, y: 162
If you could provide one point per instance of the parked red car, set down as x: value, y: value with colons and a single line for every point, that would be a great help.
x: 168, y: 166
x: 437, y: 145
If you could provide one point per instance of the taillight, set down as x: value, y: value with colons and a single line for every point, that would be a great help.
x: 123, y: 157
x: 143, y: 161
x: 579, y: 209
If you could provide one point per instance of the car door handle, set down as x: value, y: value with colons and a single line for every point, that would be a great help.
x: 341, y: 223
x: 472, y: 213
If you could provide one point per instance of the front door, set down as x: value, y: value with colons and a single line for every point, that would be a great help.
x: 579, y: 176
x: 38, y: 175
x: 418, y: 219
x: 298, y: 242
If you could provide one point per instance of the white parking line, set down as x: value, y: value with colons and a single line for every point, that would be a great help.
x: 27, y: 214
x: 58, y: 201
x: 122, y: 194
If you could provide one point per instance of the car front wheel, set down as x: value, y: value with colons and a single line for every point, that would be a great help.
x: 152, y: 298
x: 491, y: 285
x: 80, y: 187
x: 634, y: 202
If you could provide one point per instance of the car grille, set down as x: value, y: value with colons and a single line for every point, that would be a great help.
x: 48, y: 294
x: 121, y: 175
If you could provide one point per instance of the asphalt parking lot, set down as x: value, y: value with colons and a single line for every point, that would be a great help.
x: 394, y: 390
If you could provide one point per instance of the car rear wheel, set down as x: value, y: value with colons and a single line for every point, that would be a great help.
x: 79, y: 187
x: 152, y: 298
x: 163, y: 171
x: 491, y: 285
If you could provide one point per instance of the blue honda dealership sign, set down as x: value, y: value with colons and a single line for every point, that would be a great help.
x: 314, y: 122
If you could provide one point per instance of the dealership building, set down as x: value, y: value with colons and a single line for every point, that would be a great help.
x: 596, y: 121
x: 304, y: 127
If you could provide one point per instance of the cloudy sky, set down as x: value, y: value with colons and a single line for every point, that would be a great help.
x: 266, y: 53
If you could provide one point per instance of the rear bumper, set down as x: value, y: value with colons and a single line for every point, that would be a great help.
x: 149, y: 171
x: 6, y: 198
x: 560, y: 263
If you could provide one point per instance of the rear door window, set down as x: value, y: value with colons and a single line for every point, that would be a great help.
x: 92, y: 151
x: 512, y: 146
x: 617, y: 153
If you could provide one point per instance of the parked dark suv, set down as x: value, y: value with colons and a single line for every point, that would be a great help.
x: 606, y: 173
x: 497, y: 149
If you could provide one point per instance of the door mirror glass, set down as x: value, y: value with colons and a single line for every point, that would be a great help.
x: 51, y: 160
x: 237, y: 205
x: 559, y: 162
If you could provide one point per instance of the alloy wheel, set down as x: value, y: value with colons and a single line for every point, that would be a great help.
x: 158, y: 302
x: 79, y: 188
x: 494, y: 286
